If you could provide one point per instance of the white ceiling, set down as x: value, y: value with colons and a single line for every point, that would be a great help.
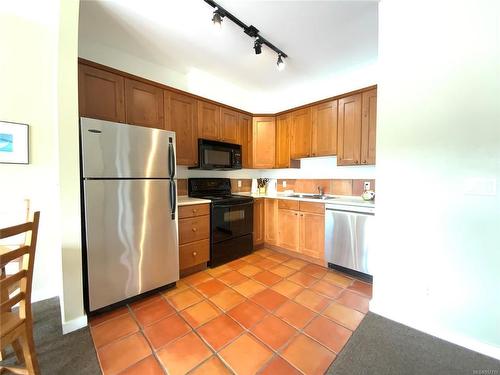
x: 321, y: 38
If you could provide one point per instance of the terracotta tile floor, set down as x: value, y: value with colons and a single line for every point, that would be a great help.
x: 266, y: 313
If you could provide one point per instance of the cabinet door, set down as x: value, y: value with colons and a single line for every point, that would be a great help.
x: 349, y: 130
x: 288, y: 232
x: 229, y: 131
x: 301, y: 133
x: 324, y: 129
x: 263, y: 135
x: 180, y: 115
x: 208, y: 120
x: 368, y: 126
x: 245, y: 123
x: 144, y: 104
x: 271, y: 222
x: 100, y: 94
x: 312, y: 235
x: 283, y: 141
x: 258, y: 222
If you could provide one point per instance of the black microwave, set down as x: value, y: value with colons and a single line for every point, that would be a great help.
x: 218, y: 155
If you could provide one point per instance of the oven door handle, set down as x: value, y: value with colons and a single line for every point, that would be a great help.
x: 232, y: 205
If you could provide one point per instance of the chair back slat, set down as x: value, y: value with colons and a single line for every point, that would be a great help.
x: 12, y: 301
x: 15, y: 230
x: 13, y: 254
x: 27, y: 252
x: 7, y: 283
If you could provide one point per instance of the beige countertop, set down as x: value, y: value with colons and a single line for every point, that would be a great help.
x: 339, y: 199
x: 184, y: 200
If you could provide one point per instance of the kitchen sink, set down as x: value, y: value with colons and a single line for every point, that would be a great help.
x: 312, y: 196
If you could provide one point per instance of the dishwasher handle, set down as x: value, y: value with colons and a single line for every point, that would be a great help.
x: 353, y: 209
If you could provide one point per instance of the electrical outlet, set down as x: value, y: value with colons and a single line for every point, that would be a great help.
x: 239, y: 183
x: 284, y: 183
x: 367, y: 185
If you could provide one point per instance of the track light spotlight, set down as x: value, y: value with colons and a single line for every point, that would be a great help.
x: 280, y: 64
x: 257, y: 46
x: 217, y: 18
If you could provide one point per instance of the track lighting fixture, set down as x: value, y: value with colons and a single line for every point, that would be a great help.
x: 280, y: 64
x: 217, y: 18
x: 257, y: 46
x: 251, y: 31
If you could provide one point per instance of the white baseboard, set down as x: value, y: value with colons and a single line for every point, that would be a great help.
x: 74, y: 324
x: 466, y: 342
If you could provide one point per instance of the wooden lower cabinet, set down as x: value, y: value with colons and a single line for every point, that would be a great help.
x: 312, y: 235
x: 258, y: 222
x: 271, y: 221
x: 302, y: 231
x: 194, y: 253
x: 288, y: 232
x: 194, y: 237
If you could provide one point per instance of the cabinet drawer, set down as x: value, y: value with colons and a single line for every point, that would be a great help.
x: 194, y: 253
x: 194, y: 229
x: 288, y: 205
x: 194, y: 210
x: 316, y: 208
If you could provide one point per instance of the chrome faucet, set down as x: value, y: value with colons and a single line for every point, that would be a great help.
x: 321, y: 191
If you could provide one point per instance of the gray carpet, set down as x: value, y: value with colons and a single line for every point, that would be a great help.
x: 57, y: 353
x: 383, y: 347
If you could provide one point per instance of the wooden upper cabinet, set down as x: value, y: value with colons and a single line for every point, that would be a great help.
x: 349, y: 130
x: 271, y: 222
x: 180, y: 117
x: 283, y: 141
x: 288, y: 232
x: 368, y: 126
x: 229, y: 129
x: 100, y: 94
x: 263, y: 142
x: 301, y: 123
x: 258, y: 221
x: 312, y: 235
x: 324, y: 129
x: 208, y: 120
x: 245, y: 124
x: 144, y: 104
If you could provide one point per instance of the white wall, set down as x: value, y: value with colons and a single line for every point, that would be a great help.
x: 73, y: 315
x: 438, y: 134
x: 38, y: 75
x: 323, y: 167
x: 28, y: 94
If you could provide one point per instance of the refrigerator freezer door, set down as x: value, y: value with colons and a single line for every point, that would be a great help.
x: 132, y: 244
x: 113, y: 150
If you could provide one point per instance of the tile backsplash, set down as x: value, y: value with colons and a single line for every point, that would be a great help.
x: 330, y: 186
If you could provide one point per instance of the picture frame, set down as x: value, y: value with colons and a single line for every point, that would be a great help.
x: 14, y: 143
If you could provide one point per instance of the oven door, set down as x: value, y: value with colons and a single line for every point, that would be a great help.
x: 231, y: 221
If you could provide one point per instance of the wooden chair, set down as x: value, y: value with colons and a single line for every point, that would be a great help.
x: 16, y: 328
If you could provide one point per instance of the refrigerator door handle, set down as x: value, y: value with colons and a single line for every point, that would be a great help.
x: 171, y: 159
x: 173, y: 197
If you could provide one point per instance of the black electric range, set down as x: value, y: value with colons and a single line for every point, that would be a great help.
x: 231, y: 219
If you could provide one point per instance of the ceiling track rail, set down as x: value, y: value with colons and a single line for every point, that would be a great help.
x: 251, y: 30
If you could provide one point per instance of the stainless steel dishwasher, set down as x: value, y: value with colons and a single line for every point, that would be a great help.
x: 348, y: 237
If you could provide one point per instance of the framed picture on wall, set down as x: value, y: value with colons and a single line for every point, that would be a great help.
x: 14, y: 143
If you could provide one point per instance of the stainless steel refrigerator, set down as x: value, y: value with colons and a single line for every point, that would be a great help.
x: 130, y: 201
